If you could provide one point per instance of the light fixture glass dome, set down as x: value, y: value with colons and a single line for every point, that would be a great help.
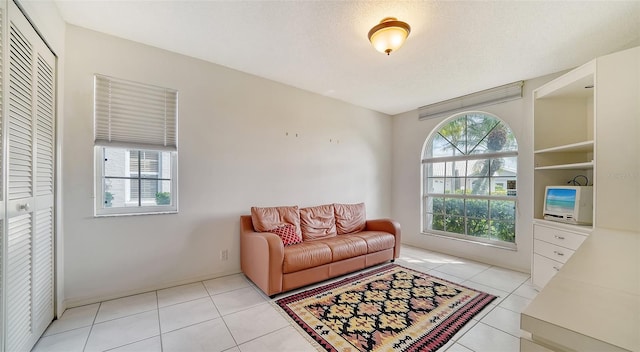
x: 389, y: 35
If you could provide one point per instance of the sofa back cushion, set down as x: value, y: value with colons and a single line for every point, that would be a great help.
x: 350, y: 218
x: 265, y: 219
x: 317, y: 222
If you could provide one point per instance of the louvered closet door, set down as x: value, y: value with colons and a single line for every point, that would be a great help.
x: 3, y: 12
x: 29, y: 186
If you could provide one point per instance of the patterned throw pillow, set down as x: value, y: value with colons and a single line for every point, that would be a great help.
x: 287, y: 233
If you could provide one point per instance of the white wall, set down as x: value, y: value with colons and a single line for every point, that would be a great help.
x: 234, y: 153
x: 409, y: 135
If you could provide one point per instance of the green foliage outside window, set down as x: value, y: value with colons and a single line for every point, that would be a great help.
x: 163, y: 198
x: 108, y: 199
x: 494, y: 219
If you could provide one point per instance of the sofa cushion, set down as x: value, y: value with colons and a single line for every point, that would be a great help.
x: 377, y: 241
x: 264, y: 219
x: 287, y: 233
x: 345, y: 247
x: 305, y: 255
x: 317, y: 222
x: 350, y: 218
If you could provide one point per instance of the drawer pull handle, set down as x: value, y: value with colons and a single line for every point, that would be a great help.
x: 558, y: 253
x: 558, y: 237
x: 556, y: 268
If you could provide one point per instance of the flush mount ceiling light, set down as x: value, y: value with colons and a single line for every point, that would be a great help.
x: 389, y: 35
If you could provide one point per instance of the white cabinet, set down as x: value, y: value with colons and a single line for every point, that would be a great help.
x: 553, y: 245
x: 587, y: 126
x: 27, y: 101
x: 587, y: 122
x: 605, y: 269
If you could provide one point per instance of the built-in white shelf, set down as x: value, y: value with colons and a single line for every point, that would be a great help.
x: 574, y: 166
x: 578, y: 83
x: 586, y: 146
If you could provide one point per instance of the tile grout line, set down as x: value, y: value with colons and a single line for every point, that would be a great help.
x: 124, y: 316
x: 508, y: 333
x: 289, y: 325
x: 457, y: 341
x: 86, y: 342
x: 159, y: 321
x: 128, y: 344
x: 214, y: 303
x: 190, y: 325
x: 499, y: 329
x: 187, y: 301
x: 235, y: 342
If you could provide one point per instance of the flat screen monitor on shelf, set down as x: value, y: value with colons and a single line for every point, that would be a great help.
x: 569, y: 204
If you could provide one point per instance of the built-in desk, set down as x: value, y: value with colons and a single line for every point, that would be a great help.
x: 593, y: 303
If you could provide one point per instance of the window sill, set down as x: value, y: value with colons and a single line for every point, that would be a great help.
x: 468, y: 239
x: 109, y: 215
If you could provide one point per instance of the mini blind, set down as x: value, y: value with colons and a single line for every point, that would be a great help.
x: 471, y: 101
x: 134, y: 115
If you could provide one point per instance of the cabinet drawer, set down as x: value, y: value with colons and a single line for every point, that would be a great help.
x: 543, y: 270
x: 558, y: 237
x: 551, y: 251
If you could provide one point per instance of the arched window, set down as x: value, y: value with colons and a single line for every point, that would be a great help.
x: 469, y: 171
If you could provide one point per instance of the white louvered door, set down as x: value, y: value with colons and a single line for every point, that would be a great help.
x: 44, y: 176
x: 3, y: 12
x: 28, y: 96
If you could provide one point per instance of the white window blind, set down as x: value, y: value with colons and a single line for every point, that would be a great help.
x: 471, y: 101
x: 134, y: 115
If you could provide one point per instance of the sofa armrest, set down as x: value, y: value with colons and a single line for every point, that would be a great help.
x: 261, y: 257
x: 386, y: 225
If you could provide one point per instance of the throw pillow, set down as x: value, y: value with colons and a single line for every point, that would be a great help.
x: 350, y: 218
x: 287, y: 233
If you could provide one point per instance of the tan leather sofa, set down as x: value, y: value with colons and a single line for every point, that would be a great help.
x: 326, y: 250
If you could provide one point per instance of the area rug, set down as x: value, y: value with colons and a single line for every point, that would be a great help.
x: 391, y: 308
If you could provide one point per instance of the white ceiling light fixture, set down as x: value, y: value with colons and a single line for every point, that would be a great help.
x: 389, y: 35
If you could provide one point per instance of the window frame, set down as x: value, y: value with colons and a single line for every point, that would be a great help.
x: 133, y: 116
x: 426, y: 225
x: 101, y: 211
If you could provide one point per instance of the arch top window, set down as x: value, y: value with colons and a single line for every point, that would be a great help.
x: 469, y: 171
x: 471, y: 133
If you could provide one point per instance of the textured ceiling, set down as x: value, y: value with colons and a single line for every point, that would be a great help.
x: 455, y: 47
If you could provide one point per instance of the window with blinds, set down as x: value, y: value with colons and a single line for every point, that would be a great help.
x: 136, y: 147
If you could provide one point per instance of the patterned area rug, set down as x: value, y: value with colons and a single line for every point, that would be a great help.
x: 388, y: 309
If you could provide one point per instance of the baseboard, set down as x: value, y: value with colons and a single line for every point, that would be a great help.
x: 83, y: 301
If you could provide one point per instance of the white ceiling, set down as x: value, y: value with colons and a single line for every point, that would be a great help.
x: 455, y: 47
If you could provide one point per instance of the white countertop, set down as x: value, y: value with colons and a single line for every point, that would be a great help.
x: 593, y: 303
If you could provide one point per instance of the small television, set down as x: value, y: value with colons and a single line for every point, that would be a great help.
x: 569, y: 204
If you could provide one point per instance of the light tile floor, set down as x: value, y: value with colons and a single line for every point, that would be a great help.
x: 231, y: 314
